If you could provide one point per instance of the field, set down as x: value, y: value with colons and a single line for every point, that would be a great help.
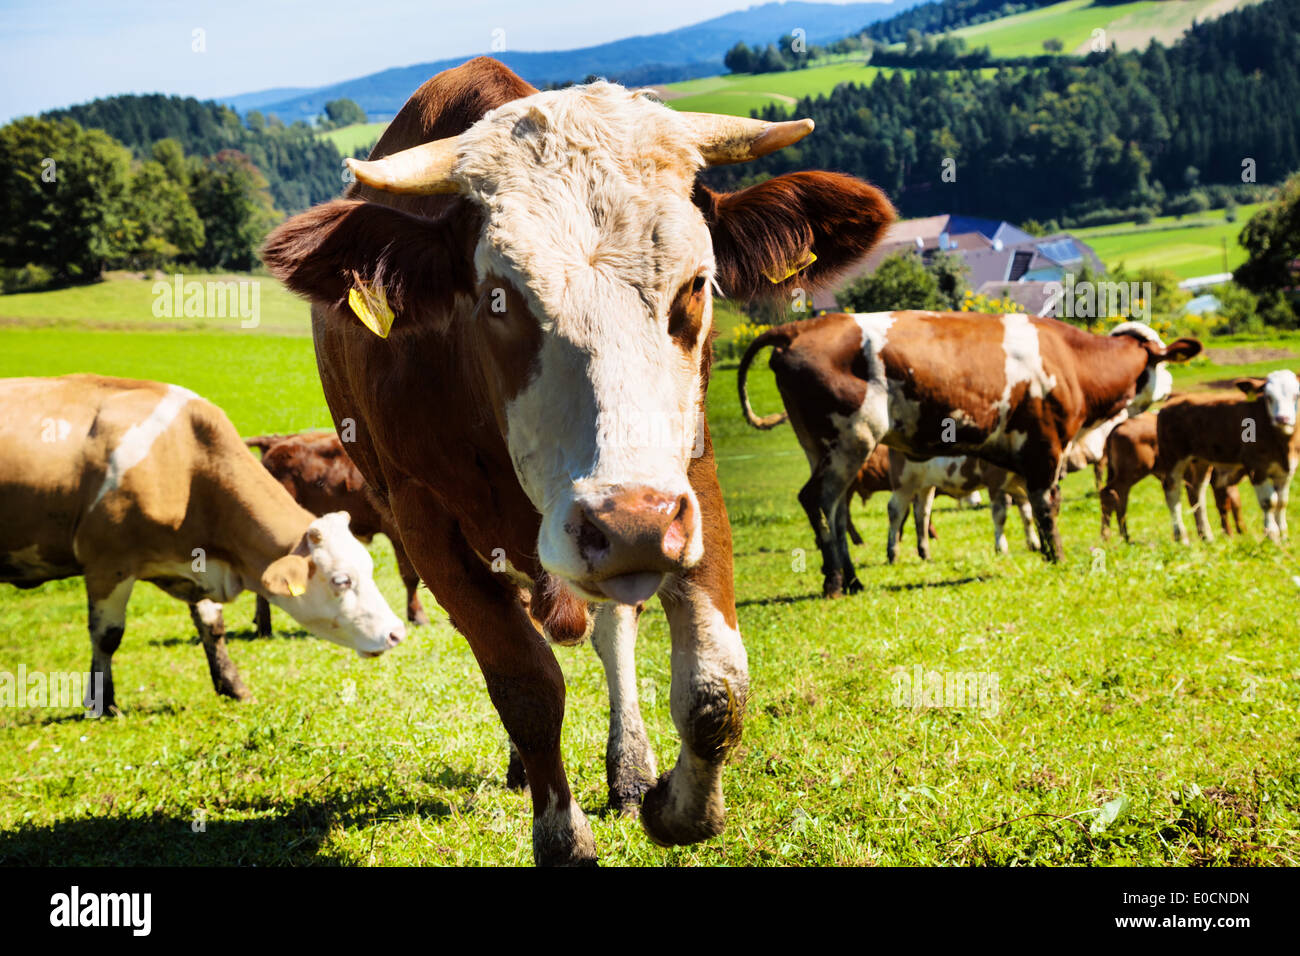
x: 1191, y: 247
x: 739, y: 93
x: 1128, y: 25
x: 349, y: 138
x: 1145, y: 710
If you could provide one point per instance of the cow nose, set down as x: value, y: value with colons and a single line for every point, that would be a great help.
x: 634, y: 531
x: 395, y: 636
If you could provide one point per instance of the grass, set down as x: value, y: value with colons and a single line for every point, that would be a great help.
x: 349, y: 139
x: 1165, y: 676
x: 739, y: 93
x: 1194, y: 247
x: 1127, y: 25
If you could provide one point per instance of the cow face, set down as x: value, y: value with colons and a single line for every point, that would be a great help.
x: 1281, y: 394
x: 1156, y: 382
x: 327, y: 584
x: 593, y: 270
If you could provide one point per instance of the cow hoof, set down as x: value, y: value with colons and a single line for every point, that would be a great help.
x: 563, y: 838
x: 516, y: 777
x: 419, y: 618
x: 853, y: 587
x: 667, y: 826
x: 626, y: 798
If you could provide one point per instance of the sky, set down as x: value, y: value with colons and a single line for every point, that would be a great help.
x: 57, y: 52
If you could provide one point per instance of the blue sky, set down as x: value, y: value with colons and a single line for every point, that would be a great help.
x: 56, y: 52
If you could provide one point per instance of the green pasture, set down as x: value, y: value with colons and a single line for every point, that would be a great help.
x: 1145, y: 713
x: 348, y: 139
x: 1188, y: 248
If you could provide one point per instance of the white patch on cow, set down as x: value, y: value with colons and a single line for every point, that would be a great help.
x: 209, y: 612
x: 1156, y: 382
x: 136, y: 441
x: 587, y: 213
x: 218, y: 580
x: 613, y: 638
x: 1024, y: 366
x: 875, y: 412
x: 563, y: 831
x: 1282, y: 399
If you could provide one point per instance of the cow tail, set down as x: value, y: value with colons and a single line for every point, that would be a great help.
x: 779, y: 337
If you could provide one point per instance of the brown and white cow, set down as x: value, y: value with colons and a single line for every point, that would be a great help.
x: 119, y: 481
x: 1131, y: 456
x: 1012, y: 389
x: 1257, y: 432
x: 535, y: 418
x: 315, y: 468
x: 915, y: 483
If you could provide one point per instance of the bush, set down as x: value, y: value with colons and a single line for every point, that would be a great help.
x: 28, y: 278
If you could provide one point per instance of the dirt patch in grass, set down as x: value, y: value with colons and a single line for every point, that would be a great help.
x: 1248, y: 355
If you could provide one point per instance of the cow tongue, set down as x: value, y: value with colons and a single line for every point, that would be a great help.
x: 631, y: 588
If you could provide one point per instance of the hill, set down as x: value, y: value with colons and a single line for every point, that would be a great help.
x: 688, y: 52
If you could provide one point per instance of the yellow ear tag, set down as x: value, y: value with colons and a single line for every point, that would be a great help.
x: 297, y: 590
x: 371, y: 308
x: 774, y: 276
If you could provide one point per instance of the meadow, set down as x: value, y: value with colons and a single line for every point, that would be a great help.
x: 1145, y: 711
x: 1190, y: 246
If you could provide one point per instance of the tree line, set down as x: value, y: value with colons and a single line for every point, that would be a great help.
x: 1162, y: 130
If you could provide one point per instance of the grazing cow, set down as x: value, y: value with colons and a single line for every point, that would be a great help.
x: 915, y: 484
x: 1011, y: 389
x: 535, y: 418
x: 1131, y: 456
x: 315, y: 468
x: 119, y: 481
x: 1256, y: 432
x: 874, y: 476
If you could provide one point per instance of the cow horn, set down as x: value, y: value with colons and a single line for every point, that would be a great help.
x: 738, y: 139
x: 423, y: 169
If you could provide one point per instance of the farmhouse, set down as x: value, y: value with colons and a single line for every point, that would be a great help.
x: 1004, y: 260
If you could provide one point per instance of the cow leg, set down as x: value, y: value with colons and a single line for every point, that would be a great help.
x: 414, y: 609
x: 921, y: 507
x: 262, y: 617
x: 1032, y: 541
x: 1283, y: 487
x: 898, y: 505
x: 1173, y: 499
x: 1199, y: 481
x: 516, y: 776
x: 107, y: 598
x: 810, y: 497
x: 837, y: 511
x: 522, y: 675
x: 998, y: 511
x: 848, y: 522
x: 1121, y: 511
x: 710, y: 680
x: 1267, y: 498
x: 1046, y: 504
x: 1234, y: 505
x: 211, y: 625
x: 629, y: 762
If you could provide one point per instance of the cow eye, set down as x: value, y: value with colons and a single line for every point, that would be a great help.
x: 341, y: 581
x: 698, y: 285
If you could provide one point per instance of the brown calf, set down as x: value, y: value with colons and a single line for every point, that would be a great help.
x: 315, y: 468
x: 1131, y: 456
x: 1257, y: 432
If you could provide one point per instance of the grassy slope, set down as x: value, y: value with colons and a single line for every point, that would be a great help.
x: 1193, y: 247
x: 349, y: 138
x: 1128, y: 25
x: 1139, y: 673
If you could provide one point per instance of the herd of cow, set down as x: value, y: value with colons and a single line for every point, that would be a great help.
x: 514, y: 278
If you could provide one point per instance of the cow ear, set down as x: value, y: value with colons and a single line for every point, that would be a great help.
x: 1250, y: 386
x: 287, y: 576
x: 380, y: 264
x: 1182, y: 350
x: 797, y: 230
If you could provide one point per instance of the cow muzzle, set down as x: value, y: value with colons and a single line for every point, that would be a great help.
x: 629, y: 538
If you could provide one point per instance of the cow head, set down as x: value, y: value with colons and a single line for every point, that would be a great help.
x: 593, y: 271
x: 1281, y: 394
x: 1155, y: 382
x: 327, y: 583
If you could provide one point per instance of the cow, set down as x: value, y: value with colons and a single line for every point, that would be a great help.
x: 1014, y: 390
x: 1257, y: 432
x: 536, y: 273
x: 1131, y: 456
x: 916, y: 481
x: 315, y: 468
x: 118, y: 481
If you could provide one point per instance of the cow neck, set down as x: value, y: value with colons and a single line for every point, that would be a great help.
x: 1113, y: 366
x: 264, y: 522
